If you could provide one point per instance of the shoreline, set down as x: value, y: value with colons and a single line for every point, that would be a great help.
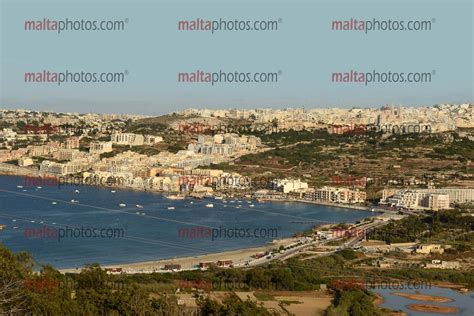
x: 343, y: 206
x: 238, y: 257
x: 189, y: 195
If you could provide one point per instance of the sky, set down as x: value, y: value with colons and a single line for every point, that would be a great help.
x: 304, y: 52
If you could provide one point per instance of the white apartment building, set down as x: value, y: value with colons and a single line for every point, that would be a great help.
x: 290, y: 185
x: 419, y: 199
x: 127, y: 139
x: 72, y: 142
x: 408, y: 199
x: 68, y: 154
x: 132, y: 139
x: 62, y: 168
x: 456, y: 195
x: 100, y: 147
x: 224, y: 144
x: 437, y: 202
x: 336, y: 195
x: 434, y: 199
x: 25, y: 162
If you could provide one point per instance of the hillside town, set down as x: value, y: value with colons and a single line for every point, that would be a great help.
x: 98, y: 146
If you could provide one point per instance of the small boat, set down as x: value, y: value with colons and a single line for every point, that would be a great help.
x: 225, y: 205
x: 224, y: 201
x: 238, y: 206
x: 74, y: 201
x: 175, y: 197
x: 143, y: 214
x: 122, y: 205
x: 232, y: 201
x: 191, y: 202
x: 77, y: 191
x: 139, y: 206
x: 248, y: 202
x: 209, y: 205
x: 32, y: 221
x: 13, y: 220
x: 41, y: 222
x: 54, y: 203
x: 218, y: 198
x: 19, y: 186
x: 112, y: 191
x: 15, y: 227
x: 138, y: 213
x: 251, y: 205
x: 171, y: 207
x: 54, y: 223
x: 25, y: 190
x: 39, y: 187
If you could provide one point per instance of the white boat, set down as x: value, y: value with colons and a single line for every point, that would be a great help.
x: 248, y: 202
x: 175, y: 197
x: 32, y: 221
x: 138, y: 213
x: 15, y: 227
x: 191, y: 202
x: 39, y: 187
x: 54, y: 203
x: 171, y: 207
x: 143, y: 214
x: 232, y: 201
x: 139, y: 206
x: 19, y: 186
x: 112, y: 191
x: 122, y: 205
x: 74, y: 201
x: 251, y: 205
x: 77, y: 191
x: 25, y: 190
x: 54, y: 223
x: 41, y: 222
x: 209, y: 205
x: 13, y: 220
x: 219, y: 198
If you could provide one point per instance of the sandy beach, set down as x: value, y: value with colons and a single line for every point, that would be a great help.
x: 238, y: 257
x: 424, y: 297
x: 433, y: 309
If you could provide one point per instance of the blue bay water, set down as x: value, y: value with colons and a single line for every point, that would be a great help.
x: 146, y: 237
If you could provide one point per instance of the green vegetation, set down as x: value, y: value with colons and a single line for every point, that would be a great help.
x: 448, y: 226
x: 94, y: 292
x: 353, y: 303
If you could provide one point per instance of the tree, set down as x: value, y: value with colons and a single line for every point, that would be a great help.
x: 14, y: 269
